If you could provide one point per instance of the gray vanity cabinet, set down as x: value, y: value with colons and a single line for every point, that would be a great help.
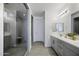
x: 63, y: 48
x: 60, y: 47
x: 70, y: 50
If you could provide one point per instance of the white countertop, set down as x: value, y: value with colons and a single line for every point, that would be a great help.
x: 72, y: 42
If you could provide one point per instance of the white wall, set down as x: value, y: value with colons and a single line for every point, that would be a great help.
x: 29, y: 28
x: 48, y: 21
x: 13, y: 28
x: 1, y: 29
x: 66, y: 19
x: 51, y: 17
x: 11, y: 19
x: 38, y: 28
x: 74, y: 7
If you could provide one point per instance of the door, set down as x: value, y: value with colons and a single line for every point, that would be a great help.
x: 38, y: 29
x: 76, y: 25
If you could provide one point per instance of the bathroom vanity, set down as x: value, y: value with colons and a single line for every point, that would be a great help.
x: 64, y: 46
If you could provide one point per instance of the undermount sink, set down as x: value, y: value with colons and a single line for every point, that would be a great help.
x: 74, y: 38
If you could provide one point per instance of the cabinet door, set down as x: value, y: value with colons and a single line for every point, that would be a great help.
x: 59, y: 47
x: 65, y: 50
x: 68, y: 52
x: 72, y: 48
x: 52, y: 42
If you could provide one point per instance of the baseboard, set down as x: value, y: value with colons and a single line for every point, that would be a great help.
x: 47, y: 46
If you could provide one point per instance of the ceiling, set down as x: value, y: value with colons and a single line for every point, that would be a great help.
x: 15, y: 6
x: 39, y: 8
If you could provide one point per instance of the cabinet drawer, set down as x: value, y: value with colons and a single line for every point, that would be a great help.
x: 60, y: 43
x: 60, y: 49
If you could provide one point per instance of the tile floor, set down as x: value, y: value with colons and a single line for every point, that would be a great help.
x: 17, y: 51
x: 38, y: 49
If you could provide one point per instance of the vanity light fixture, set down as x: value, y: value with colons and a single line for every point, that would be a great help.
x: 63, y: 12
